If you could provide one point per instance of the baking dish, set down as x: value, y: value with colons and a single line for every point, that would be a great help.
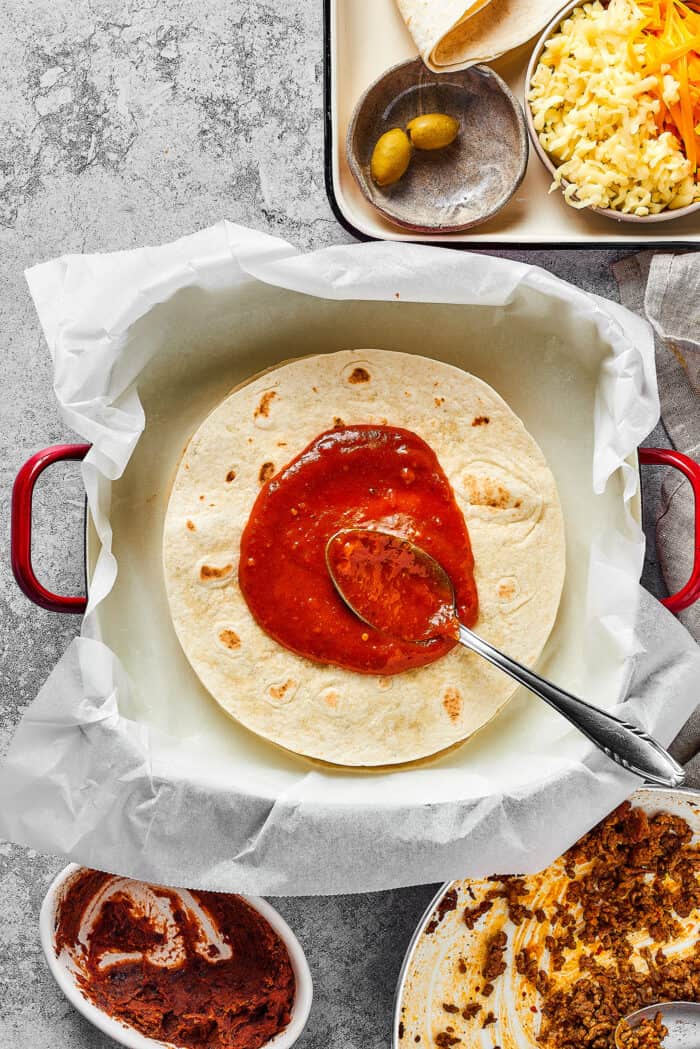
x: 123, y: 743
x: 29, y: 473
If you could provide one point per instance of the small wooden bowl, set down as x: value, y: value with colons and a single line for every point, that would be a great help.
x: 445, y: 190
x: 608, y: 213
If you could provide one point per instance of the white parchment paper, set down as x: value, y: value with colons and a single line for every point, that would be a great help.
x: 87, y: 776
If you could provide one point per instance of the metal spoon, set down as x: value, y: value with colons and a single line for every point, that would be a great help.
x: 682, y: 1020
x: 622, y: 741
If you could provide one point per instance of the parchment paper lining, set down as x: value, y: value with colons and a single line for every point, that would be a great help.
x: 109, y: 790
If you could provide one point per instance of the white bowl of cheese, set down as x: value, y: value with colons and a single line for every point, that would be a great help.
x: 607, y: 160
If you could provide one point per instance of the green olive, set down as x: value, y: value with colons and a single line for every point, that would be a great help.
x: 390, y: 157
x: 433, y: 130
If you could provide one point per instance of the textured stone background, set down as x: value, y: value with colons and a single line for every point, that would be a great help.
x: 122, y: 124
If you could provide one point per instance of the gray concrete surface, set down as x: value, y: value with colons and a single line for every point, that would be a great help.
x: 122, y: 124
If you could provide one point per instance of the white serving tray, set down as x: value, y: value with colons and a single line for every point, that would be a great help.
x: 363, y: 39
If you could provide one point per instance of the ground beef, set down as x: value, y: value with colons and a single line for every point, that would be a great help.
x: 649, y: 1035
x: 445, y: 1040
x: 494, y: 964
x: 512, y: 890
x: 631, y: 874
x: 472, y: 914
x: 471, y: 1010
x: 447, y: 903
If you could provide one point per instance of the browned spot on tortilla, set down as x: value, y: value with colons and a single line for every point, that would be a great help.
x: 331, y: 698
x: 439, y: 401
x: 280, y: 691
x: 211, y: 572
x: 264, y: 407
x: 230, y: 638
x: 506, y: 589
x: 281, y: 444
x: 315, y: 389
x: 397, y: 295
x: 186, y: 466
x: 359, y: 375
x: 230, y: 476
x: 337, y: 421
x: 481, y: 420
x: 202, y: 498
x: 499, y: 498
x: 266, y: 472
x: 518, y: 503
x: 384, y: 683
x: 488, y: 493
x: 191, y: 526
x: 452, y: 702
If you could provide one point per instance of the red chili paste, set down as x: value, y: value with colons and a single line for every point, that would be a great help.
x: 391, y: 584
x: 379, y: 476
x: 193, y: 969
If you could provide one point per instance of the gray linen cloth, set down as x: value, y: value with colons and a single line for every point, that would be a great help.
x: 667, y: 289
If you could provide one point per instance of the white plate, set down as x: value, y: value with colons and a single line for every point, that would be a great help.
x: 129, y: 1036
x: 365, y: 38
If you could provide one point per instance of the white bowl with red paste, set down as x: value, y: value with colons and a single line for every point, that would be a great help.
x: 167, y: 933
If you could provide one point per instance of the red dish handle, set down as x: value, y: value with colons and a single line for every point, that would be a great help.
x: 667, y: 457
x: 21, y: 536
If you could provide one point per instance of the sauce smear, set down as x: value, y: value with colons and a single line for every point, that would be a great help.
x: 197, y: 970
x: 380, y: 477
x: 392, y: 585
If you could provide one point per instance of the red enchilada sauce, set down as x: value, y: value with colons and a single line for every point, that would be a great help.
x: 193, y: 969
x: 377, y: 476
x: 389, y: 583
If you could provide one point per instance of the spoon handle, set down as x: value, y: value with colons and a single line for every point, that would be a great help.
x: 625, y: 743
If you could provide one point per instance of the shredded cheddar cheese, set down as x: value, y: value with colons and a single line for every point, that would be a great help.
x: 670, y: 34
x: 616, y: 109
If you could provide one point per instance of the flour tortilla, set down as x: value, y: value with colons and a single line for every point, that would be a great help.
x: 484, y: 32
x: 502, y: 484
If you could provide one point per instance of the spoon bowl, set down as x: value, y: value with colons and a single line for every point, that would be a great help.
x: 681, y: 1019
x: 397, y: 588
x: 392, y: 585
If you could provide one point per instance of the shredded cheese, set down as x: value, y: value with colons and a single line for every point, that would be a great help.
x: 598, y: 114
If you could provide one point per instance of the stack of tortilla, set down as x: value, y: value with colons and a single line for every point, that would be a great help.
x: 452, y: 34
x: 502, y: 485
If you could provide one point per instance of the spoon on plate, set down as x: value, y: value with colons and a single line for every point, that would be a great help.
x: 681, y: 1020
x: 398, y: 589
